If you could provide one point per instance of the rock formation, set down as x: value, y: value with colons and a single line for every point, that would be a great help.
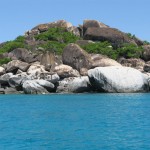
x: 118, y: 79
x: 58, y: 57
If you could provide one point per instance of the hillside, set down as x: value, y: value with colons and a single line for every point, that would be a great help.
x: 58, y: 50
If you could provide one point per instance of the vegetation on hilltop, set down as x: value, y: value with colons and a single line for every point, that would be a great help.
x: 57, y: 38
x: 57, y: 34
x: 132, y: 36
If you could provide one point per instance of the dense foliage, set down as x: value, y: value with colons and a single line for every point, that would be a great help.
x: 56, y: 39
x: 57, y: 34
x: 11, y: 45
x: 4, y: 61
x: 105, y: 48
x: 54, y: 46
x: 130, y: 51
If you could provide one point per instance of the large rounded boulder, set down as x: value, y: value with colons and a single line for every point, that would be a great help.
x: 74, y: 85
x: 37, y: 87
x: 93, y: 23
x: 5, y: 78
x: 118, y: 79
x: 74, y: 56
x: 112, y: 35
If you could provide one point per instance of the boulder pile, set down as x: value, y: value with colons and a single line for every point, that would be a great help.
x: 75, y: 71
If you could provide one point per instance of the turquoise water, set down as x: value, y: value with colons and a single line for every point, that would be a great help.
x: 75, y: 122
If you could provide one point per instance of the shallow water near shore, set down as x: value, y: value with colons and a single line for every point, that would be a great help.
x: 75, y: 122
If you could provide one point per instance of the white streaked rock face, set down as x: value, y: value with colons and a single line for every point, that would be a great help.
x: 118, y: 79
x: 32, y: 87
x: 74, y: 85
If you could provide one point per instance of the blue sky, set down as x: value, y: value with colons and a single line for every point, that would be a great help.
x: 17, y: 16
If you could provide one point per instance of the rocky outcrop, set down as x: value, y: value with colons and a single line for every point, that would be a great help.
x: 83, y: 71
x: 92, y: 23
x: 103, y: 61
x: 84, y: 42
x: 57, y: 24
x: 76, y: 57
x: 60, y: 24
x: 138, y: 41
x: 11, y: 91
x: 5, y: 78
x: 2, y: 91
x: 132, y: 62
x: 74, y: 30
x: 48, y: 60
x: 118, y: 79
x: 114, y: 36
x: 44, y: 27
x: 36, y: 69
x: 74, y: 85
x: 16, y: 81
x: 146, y: 53
x: 2, y: 70
x: 46, y: 84
x: 41, y: 27
x: 23, y: 54
x: 14, y: 65
x: 31, y: 87
x: 53, y: 78
x: 39, y: 71
x: 46, y: 80
x: 147, y: 67
x: 65, y: 71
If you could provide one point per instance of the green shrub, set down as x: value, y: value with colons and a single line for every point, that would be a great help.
x: 57, y: 34
x: 4, y: 61
x: 103, y: 48
x: 54, y: 46
x: 146, y: 43
x: 11, y: 45
x: 131, y: 36
x: 130, y: 51
x: 57, y: 39
x: 20, y: 39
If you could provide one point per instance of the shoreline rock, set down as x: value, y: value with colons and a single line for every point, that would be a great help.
x: 115, y: 79
x: 38, y: 68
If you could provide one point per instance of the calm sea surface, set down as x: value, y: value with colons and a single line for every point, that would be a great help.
x: 75, y: 122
